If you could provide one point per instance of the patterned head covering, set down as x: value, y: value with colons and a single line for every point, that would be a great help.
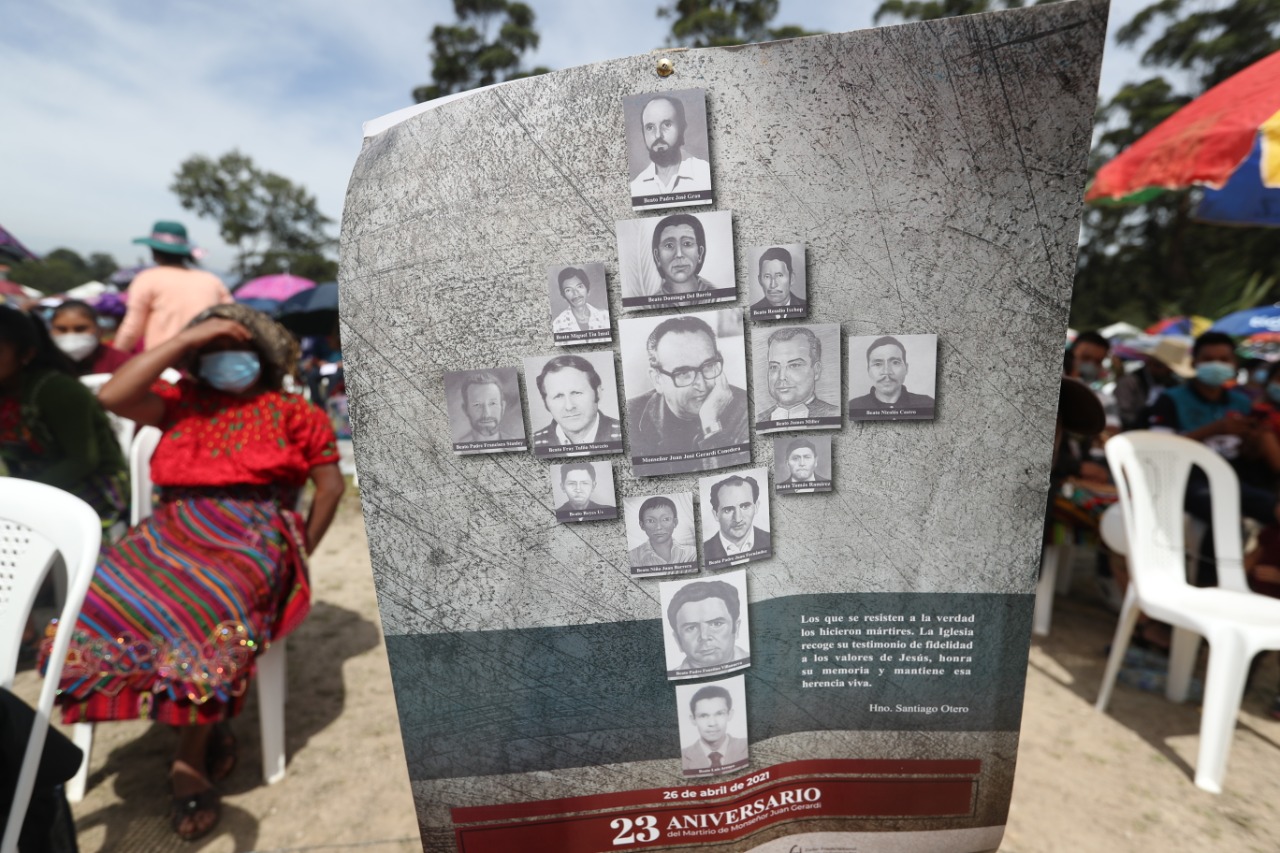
x: 277, y: 348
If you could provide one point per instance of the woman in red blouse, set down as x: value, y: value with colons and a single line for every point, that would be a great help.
x: 181, y: 606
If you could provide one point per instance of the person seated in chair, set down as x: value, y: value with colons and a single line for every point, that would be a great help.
x: 220, y: 563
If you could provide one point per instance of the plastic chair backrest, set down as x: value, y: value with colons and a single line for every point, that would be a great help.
x: 144, y: 445
x: 1111, y: 529
x: 36, y: 519
x: 95, y: 381
x: 1151, y: 472
x: 122, y: 427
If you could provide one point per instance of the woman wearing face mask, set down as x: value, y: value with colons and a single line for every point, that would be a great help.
x: 75, y: 330
x: 52, y: 430
x: 218, y: 572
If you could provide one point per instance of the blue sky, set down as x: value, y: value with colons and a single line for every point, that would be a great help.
x: 105, y: 99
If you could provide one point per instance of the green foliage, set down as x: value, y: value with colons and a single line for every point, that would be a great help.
x: 720, y: 23
x: 1145, y: 262
x: 268, y: 218
x: 486, y: 46
x: 318, y: 268
x: 61, y: 270
x: 1212, y: 43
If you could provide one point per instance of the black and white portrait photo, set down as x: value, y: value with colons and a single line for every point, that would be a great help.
x: 579, y: 304
x: 713, y: 726
x: 573, y: 404
x: 778, y: 284
x: 667, y: 150
x: 484, y: 410
x: 583, y: 491
x: 892, y: 377
x: 801, y: 464
x: 797, y: 377
x: 661, y: 539
x: 676, y: 260
x: 706, y: 625
x: 685, y: 378
x: 735, y: 518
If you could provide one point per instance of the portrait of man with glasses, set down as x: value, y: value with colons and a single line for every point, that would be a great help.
x: 690, y: 415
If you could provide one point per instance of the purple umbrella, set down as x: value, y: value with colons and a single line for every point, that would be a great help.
x: 123, y: 276
x: 278, y: 287
x: 11, y: 248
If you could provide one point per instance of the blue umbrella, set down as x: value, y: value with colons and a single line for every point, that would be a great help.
x: 1250, y: 322
x: 270, y: 307
x: 1244, y: 199
x: 311, y: 312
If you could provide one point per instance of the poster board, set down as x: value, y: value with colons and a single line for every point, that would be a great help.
x: 933, y: 173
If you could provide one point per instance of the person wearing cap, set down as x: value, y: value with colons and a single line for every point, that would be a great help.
x: 165, y: 298
x: 1164, y: 367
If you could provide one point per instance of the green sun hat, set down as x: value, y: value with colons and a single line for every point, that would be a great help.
x: 168, y: 237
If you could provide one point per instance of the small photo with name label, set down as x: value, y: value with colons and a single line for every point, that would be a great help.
x: 802, y: 464
x: 583, y: 491
x: 706, y: 625
x: 676, y: 260
x: 579, y: 304
x: 661, y: 539
x: 779, y: 287
x: 797, y: 377
x: 484, y: 410
x: 667, y: 150
x: 573, y: 404
x: 713, y: 726
x: 735, y: 518
x: 685, y: 377
x: 892, y: 377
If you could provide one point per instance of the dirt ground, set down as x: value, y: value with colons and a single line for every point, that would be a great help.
x: 1085, y: 781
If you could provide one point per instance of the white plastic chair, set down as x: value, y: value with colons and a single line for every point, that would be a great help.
x: 35, y: 521
x: 1151, y: 470
x: 140, y: 488
x: 1055, y: 579
x: 272, y: 672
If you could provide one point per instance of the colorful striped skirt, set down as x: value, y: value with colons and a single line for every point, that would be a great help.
x: 180, y: 607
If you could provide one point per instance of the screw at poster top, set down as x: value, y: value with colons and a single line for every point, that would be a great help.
x: 666, y: 67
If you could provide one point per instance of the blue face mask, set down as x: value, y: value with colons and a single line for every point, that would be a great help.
x: 1089, y: 371
x: 1260, y: 375
x: 1215, y: 374
x: 232, y: 370
x: 1273, y: 392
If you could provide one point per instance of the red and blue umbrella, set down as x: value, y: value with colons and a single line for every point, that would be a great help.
x: 1250, y: 322
x: 1227, y: 141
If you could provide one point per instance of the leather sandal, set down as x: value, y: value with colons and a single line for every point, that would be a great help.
x: 189, y: 807
x: 222, y: 753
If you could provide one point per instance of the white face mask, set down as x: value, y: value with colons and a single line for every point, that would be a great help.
x: 78, y: 345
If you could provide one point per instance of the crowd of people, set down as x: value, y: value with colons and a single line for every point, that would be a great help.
x: 1200, y: 390
x: 182, y: 604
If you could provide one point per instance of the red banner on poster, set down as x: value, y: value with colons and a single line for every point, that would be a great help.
x: 661, y: 818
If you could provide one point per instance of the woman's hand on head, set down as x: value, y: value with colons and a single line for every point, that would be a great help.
x: 215, y: 329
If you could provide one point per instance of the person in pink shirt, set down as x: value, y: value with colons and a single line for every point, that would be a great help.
x: 163, y: 299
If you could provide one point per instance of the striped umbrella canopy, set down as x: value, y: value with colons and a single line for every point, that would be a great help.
x: 1227, y: 141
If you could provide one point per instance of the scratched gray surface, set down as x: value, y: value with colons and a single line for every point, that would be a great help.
x: 934, y: 172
